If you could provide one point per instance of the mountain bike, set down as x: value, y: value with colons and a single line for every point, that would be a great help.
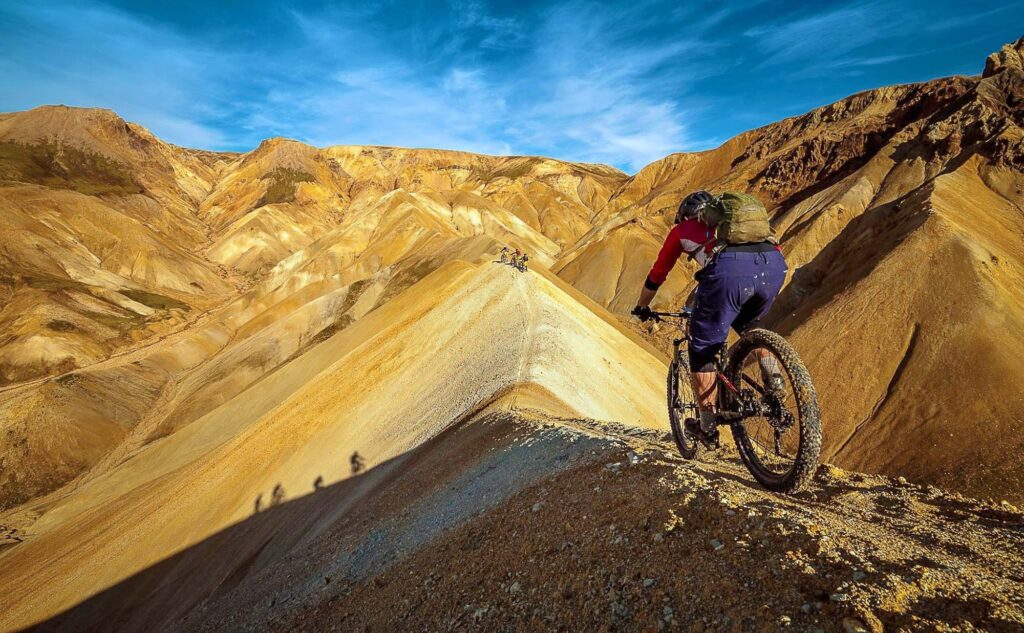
x: 766, y: 398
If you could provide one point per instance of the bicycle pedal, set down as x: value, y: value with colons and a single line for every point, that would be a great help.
x: 714, y: 440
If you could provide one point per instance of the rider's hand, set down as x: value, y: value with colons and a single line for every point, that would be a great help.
x: 643, y: 313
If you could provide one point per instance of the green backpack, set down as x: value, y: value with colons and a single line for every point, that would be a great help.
x: 738, y: 218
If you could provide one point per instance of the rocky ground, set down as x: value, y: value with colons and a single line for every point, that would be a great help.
x: 630, y: 537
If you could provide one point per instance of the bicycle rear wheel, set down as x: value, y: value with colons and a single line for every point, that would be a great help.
x: 779, y: 439
x: 681, y: 405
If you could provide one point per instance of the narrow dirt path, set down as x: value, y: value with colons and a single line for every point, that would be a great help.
x: 528, y: 329
x: 638, y: 539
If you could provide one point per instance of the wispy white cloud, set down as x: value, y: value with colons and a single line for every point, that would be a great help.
x: 398, y: 107
x: 495, y: 32
x: 581, y: 83
x: 820, y: 38
x: 574, y: 91
x: 146, y: 72
x: 623, y: 83
x: 970, y: 15
x: 847, y: 36
x: 601, y: 88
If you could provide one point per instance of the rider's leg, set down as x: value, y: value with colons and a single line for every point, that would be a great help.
x: 769, y: 275
x: 749, y: 316
x: 771, y: 370
x: 709, y: 329
x: 706, y: 388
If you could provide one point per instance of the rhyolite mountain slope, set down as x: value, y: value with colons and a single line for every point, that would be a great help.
x: 145, y: 284
x: 120, y: 236
x: 156, y: 282
x: 901, y: 214
x: 500, y: 475
x: 188, y: 338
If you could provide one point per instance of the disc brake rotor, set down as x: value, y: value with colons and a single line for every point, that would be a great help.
x: 778, y: 415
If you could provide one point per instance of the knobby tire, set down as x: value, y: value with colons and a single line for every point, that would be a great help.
x: 806, y: 462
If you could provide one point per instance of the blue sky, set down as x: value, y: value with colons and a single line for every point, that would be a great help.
x: 620, y: 83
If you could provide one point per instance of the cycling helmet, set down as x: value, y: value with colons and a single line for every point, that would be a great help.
x: 692, y: 204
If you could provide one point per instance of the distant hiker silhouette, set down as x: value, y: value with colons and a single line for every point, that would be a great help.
x: 318, y: 483
x: 277, y: 496
x: 357, y: 463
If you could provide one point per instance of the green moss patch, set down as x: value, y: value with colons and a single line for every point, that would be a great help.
x: 65, y: 168
x: 59, y: 325
x: 282, y: 185
x: 119, y: 323
x: 155, y: 301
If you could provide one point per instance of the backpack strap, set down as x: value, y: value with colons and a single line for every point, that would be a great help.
x: 719, y: 247
x: 691, y: 255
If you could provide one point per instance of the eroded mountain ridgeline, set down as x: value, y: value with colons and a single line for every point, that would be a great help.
x: 468, y: 339
x: 189, y: 337
x: 204, y: 271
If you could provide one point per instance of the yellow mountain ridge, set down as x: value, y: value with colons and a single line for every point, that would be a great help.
x: 193, y: 344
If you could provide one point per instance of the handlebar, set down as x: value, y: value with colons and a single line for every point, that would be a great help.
x: 685, y: 313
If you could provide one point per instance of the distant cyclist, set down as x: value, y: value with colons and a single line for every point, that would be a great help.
x: 357, y: 462
x: 522, y: 262
x: 504, y: 255
x: 742, y: 272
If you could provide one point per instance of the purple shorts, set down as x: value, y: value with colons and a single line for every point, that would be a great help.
x: 735, y: 290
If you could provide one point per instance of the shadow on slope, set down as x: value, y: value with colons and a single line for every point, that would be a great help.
x: 522, y: 519
x: 531, y: 528
x: 368, y: 522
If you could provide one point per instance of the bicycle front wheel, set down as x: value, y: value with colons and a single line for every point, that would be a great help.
x: 681, y: 405
x: 779, y: 438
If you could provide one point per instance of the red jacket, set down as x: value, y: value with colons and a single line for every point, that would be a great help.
x: 690, y: 237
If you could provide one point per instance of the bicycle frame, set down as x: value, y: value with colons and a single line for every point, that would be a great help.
x: 737, y: 403
x: 685, y: 317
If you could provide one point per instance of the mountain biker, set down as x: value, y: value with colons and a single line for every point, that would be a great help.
x: 736, y: 286
x: 357, y: 462
x: 504, y: 255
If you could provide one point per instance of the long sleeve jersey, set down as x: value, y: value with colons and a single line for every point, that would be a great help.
x: 689, y: 236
